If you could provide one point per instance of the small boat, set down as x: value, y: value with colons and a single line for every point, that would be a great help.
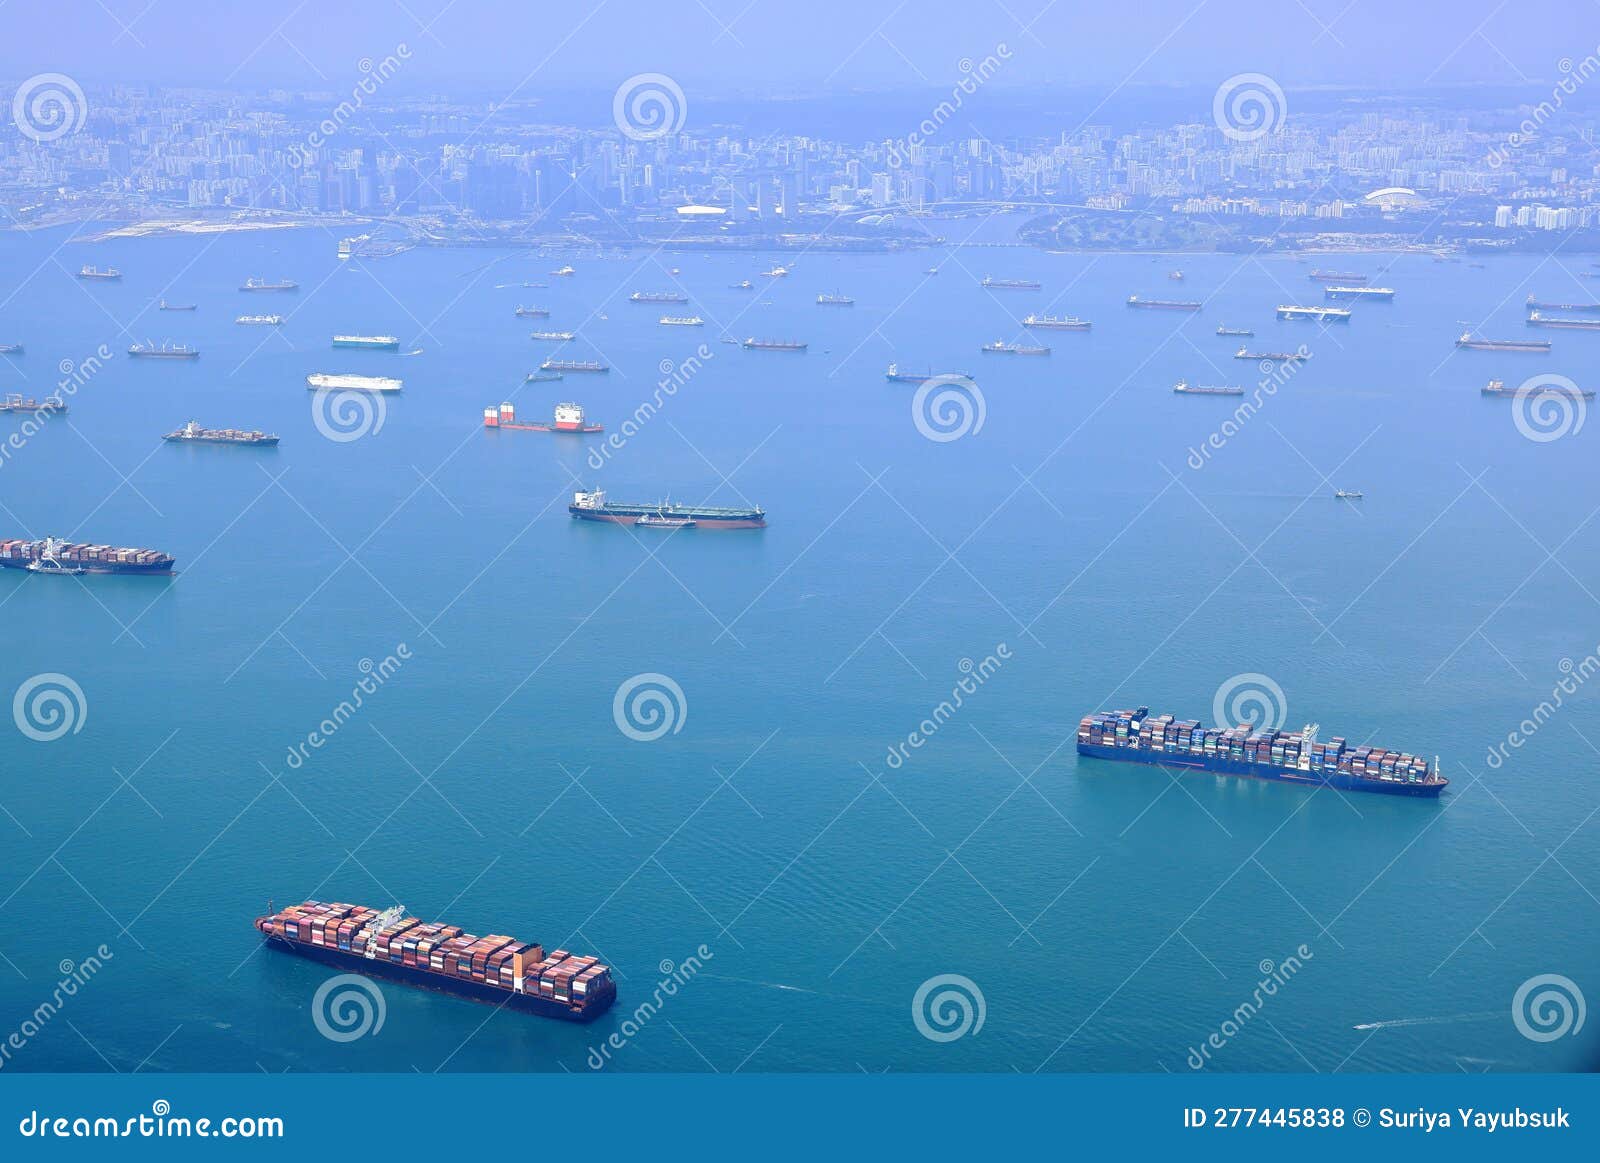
x: 673, y: 271
x: 1175, y: 276
x: 1347, y: 494
x: 931, y: 271
x: 49, y: 565
x: 747, y: 285
x: 564, y: 272
x: 662, y: 521
x: 775, y: 273
x: 166, y: 306
x: 10, y: 349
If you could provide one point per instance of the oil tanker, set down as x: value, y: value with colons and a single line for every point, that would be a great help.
x: 1473, y: 343
x: 1297, y: 757
x: 594, y: 507
x: 495, y: 969
x: 52, y: 556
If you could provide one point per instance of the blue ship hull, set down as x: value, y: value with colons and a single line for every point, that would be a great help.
x: 1339, y: 780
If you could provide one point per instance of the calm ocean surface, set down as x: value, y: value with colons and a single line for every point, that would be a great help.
x: 1113, y: 917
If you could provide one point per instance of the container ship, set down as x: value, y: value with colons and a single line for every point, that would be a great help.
x: 1011, y: 284
x: 264, y: 285
x: 594, y: 507
x: 192, y: 433
x: 369, y: 342
x: 835, y: 300
x: 1338, y: 278
x: 1498, y: 388
x: 53, y: 556
x: 107, y: 275
x: 1540, y: 319
x: 496, y: 969
x: 163, y: 351
x: 1376, y: 294
x: 557, y: 336
x: 1469, y: 342
x: 1057, y: 323
x: 1184, y: 387
x: 50, y: 405
x: 1244, y: 331
x: 774, y: 344
x: 1296, y: 757
x: 322, y: 381
x: 894, y: 375
x: 1316, y: 314
x: 657, y: 297
x: 1000, y: 347
x: 1274, y: 356
x: 1163, y: 304
x: 260, y: 320
x: 568, y: 418
x: 1541, y: 305
x: 574, y: 365
x: 533, y: 312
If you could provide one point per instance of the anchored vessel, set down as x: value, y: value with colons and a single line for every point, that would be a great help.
x: 533, y: 312
x: 261, y: 320
x: 1056, y: 323
x: 560, y: 336
x: 164, y: 351
x: 1010, y: 284
x: 1498, y: 388
x: 895, y: 375
x: 109, y: 273
x: 194, y: 434
x: 1184, y: 387
x: 73, y: 556
x: 1235, y: 331
x: 1162, y: 304
x: 573, y: 365
x: 16, y: 403
x: 1467, y: 340
x: 1347, y: 494
x: 657, y: 297
x: 1539, y: 319
x: 1377, y: 293
x: 10, y: 349
x: 370, y: 342
x: 774, y: 344
x: 568, y: 418
x: 1275, y: 356
x: 499, y: 970
x: 1318, y: 314
x: 1541, y: 305
x: 594, y: 507
x: 264, y: 285
x: 682, y: 321
x: 166, y: 306
x: 1286, y: 756
x: 1338, y: 278
x: 1001, y: 347
x: 835, y: 300
x: 322, y: 380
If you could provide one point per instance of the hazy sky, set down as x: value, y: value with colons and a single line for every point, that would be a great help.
x: 795, y: 46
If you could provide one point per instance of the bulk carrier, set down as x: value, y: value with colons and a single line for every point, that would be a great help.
x: 994, y: 284
x: 264, y: 285
x: 1542, y: 305
x: 594, y: 507
x: 1469, y: 342
x: 1163, y: 304
x: 1285, y: 756
x: 1316, y: 314
x: 499, y: 970
x: 1540, y: 319
x: 53, y: 556
x: 1057, y: 323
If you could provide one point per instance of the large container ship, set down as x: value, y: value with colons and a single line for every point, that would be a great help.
x: 319, y: 381
x: 1470, y: 342
x: 1297, y: 757
x: 162, y: 351
x: 192, y: 433
x: 264, y: 285
x: 1540, y: 319
x: 1542, y: 305
x: 495, y: 969
x: 1316, y: 314
x: 568, y: 418
x: 1163, y: 304
x: 53, y: 556
x: 594, y: 507
x: 369, y: 342
x: 50, y: 405
x: 1498, y: 388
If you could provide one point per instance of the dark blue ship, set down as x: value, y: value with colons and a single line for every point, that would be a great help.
x: 1297, y: 757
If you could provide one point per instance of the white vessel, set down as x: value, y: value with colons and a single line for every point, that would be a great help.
x: 321, y: 380
x: 682, y: 321
x: 261, y: 320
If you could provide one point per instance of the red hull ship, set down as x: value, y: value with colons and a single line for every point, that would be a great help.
x: 568, y: 418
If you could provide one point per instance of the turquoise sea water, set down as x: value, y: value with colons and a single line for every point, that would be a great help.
x: 1113, y: 918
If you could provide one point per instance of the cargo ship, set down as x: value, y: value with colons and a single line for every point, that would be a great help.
x: 263, y: 285
x: 166, y: 306
x: 1184, y: 387
x: 50, y: 405
x: 574, y: 365
x: 1498, y: 388
x: 109, y: 274
x: 895, y: 375
x: 557, y: 336
x: 568, y: 418
x: 192, y: 433
x: 1236, y: 331
x: 322, y: 381
x: 681, y: 321
x: 994, y: 284
x: 1162, y: 304
x: 368, y: 342
x: 260, y: 320
x: 1000, y: 347
x: 1056, y: 323
x: 533, y: 312
x: 594, y: 507
x: 774, y: 344
x: 1377, y: 294
x: 10, y: 349
x: 835, y: 300
x: 1274, y: 356
x: 1316, y: 314
x: 1541, y: 305
x: 1338, y: 278
x: 162, y: 351
x: 1469, y: 342
x: 657, y: 297
x: 496, y: 969
x: 73, y: 556
x: 541, y: 377
x: 1540, y: 319
x: 1296, y: 757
